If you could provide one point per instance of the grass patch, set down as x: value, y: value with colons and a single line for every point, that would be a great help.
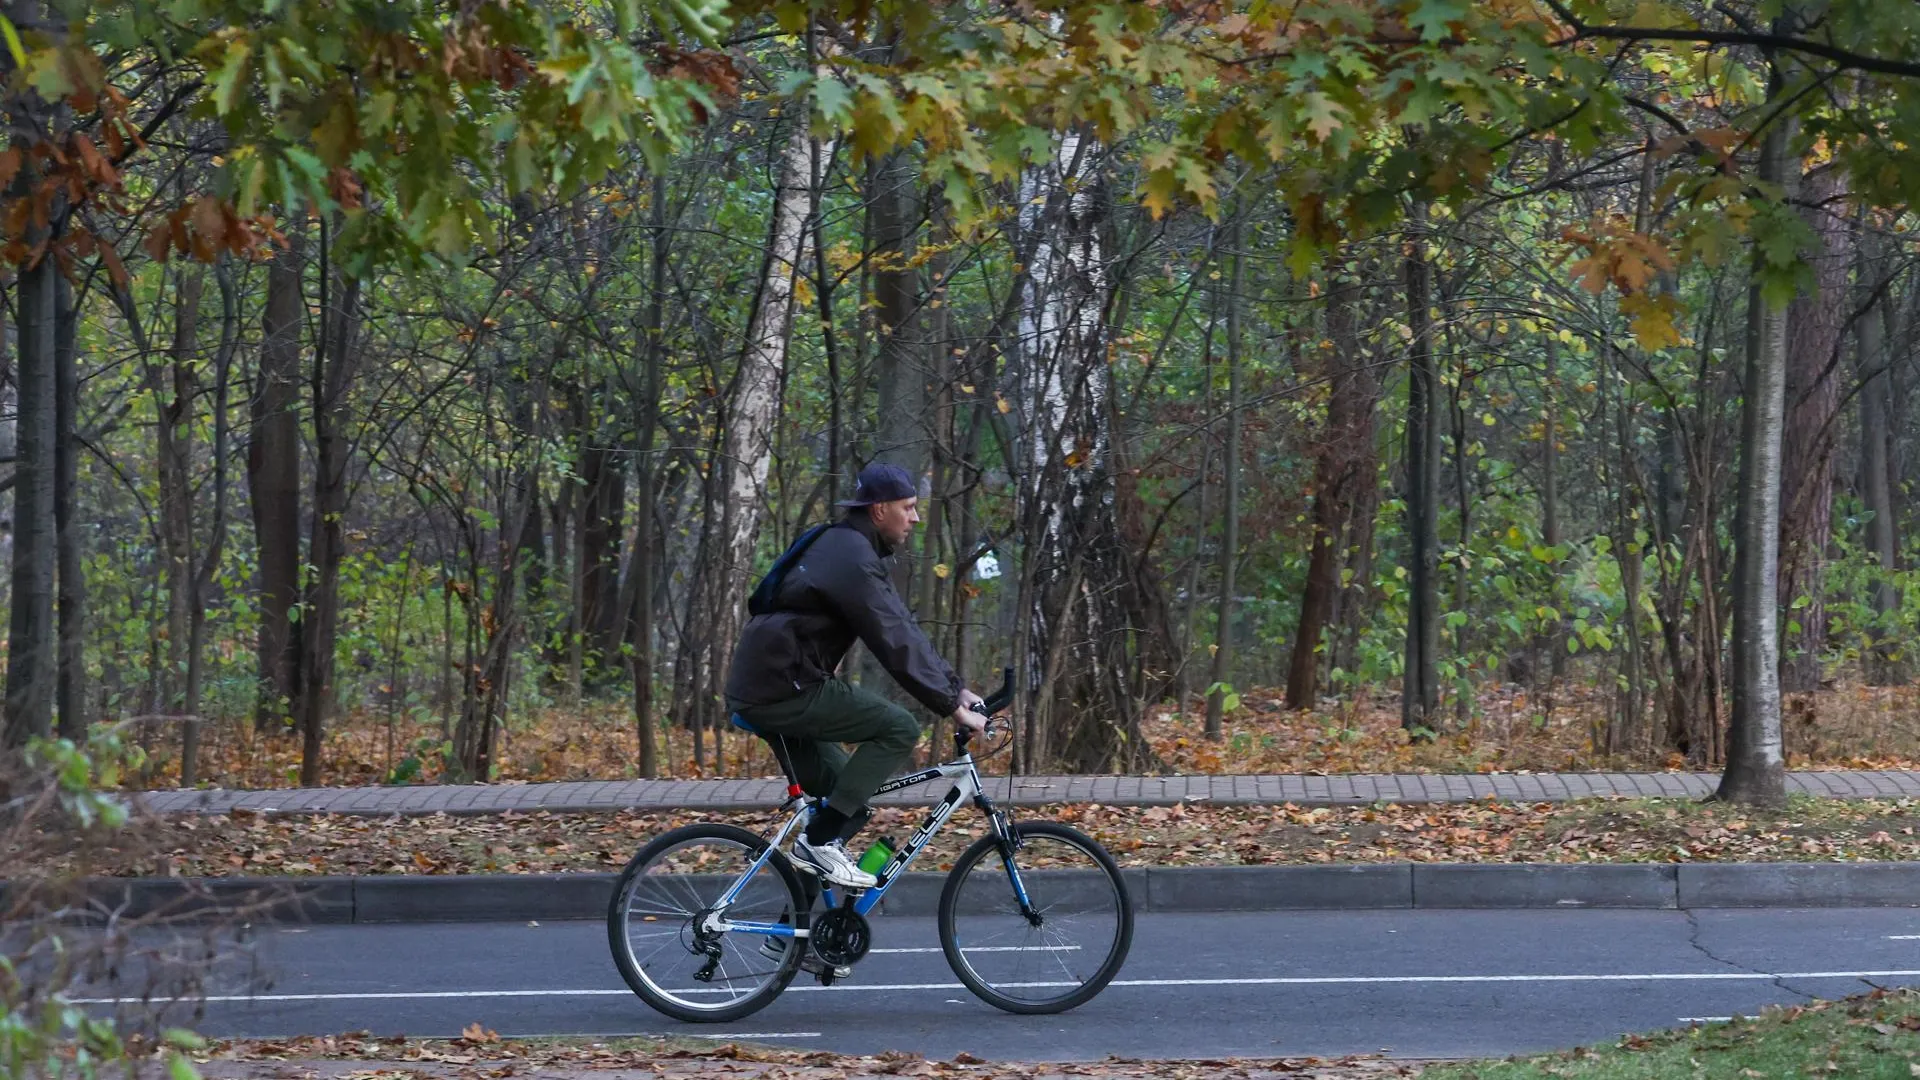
x: 1873, y: 1037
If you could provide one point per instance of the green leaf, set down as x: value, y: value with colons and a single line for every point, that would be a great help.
x: 179, y: 1067
x: 832, y: 104
x: 378, y: 117
x: 18, y: 51
x: 1432, y: 18
x: 47, y: 75
x: 231, y: 79
x: 1323, y: 114
x: 522, y: 172
x: 181, y: 1038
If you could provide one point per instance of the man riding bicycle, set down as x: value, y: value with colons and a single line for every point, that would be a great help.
x: 783, y: 680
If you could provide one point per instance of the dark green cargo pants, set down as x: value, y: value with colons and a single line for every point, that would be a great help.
x: 816, y: 722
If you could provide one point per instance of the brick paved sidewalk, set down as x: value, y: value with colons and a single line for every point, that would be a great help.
x: 1027, y: 790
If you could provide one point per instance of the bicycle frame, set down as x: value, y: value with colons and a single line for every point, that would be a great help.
x: 966, y: 788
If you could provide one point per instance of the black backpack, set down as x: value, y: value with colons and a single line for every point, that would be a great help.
x: 761, y: 602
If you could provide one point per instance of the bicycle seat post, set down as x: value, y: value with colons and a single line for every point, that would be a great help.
x: 779, y: 745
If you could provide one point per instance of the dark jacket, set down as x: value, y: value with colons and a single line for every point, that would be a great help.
x: 838, y: 591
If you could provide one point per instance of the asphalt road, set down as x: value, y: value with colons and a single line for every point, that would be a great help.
x: 1409, y: 983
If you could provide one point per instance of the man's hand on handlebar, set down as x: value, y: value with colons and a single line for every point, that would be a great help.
x: 968, y: 723
x: 971, y: 701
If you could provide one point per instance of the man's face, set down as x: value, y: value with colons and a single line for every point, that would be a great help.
x: 894, y: 521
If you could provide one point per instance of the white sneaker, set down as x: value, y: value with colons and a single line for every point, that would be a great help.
x: 831, y: 861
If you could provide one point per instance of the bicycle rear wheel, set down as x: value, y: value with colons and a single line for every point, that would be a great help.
x: 654, y: 924
x: 1058, y: 951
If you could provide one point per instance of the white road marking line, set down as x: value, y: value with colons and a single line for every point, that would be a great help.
x: 1705, y: 1019
x: 753, y: 1035
x: 1903, y: 937
x: 1287, y: 980
x: 986, y: 948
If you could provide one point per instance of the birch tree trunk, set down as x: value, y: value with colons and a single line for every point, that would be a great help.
x: 754, y: 408
x: 1756, y: 769
x: 1076, y: 645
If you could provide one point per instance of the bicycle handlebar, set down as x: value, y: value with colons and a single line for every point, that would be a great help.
x: 1001, y: 698
x: 993, y: 704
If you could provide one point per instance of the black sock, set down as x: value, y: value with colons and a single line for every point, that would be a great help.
x: 825, y: 826
x: 854, y: 824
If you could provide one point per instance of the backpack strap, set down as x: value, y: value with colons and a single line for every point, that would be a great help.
x: 762, y: 600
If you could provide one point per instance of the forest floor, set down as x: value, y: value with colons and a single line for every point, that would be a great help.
x: 1873, y: 1035
x: 1809, y: 829
x: 482, y: 1055
x: 1509, y: 729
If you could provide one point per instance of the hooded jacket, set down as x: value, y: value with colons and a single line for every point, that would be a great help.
x: 839, y: 591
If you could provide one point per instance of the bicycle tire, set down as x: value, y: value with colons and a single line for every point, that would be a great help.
x: 619, y: 941
x: 949, y: 913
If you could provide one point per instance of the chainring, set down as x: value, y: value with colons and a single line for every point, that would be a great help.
x: 841, y: 936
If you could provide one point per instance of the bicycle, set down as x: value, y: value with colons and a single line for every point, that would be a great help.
x: 695, y: 913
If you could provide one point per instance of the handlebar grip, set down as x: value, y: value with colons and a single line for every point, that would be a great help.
x: 1001, y: 698
x: 962, y: 736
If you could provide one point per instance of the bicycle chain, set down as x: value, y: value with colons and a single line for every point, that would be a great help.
x: 841, y: 936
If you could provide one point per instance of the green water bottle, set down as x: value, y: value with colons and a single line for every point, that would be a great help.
x: 878, y: 855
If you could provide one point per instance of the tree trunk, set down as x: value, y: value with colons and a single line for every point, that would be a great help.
x: 902, y: 429
x: 1816, y: 324
x: 488, y: 674
x: 1343, y: 463
x: 602, y: 520
x: 1876, y: 488
x: 273, y: 483
x: 32, y: 667
x: 1230, y: 542
x: 72, y: 695
x: 645, y: 549
x: 172, y: 388
x: 32, y: 655
x: 1756, y: 766
x: 1420, y: 687
x: 216, y: 531
x: 1076, y: 644
x: 1628, y: 556
x: 1554, y: 641
x: 1463, y: 501
x: 333, y: 374
x: 904, y: 433
x: 753, y: 411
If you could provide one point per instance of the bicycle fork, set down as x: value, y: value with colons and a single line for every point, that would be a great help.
x: 1009, y: 843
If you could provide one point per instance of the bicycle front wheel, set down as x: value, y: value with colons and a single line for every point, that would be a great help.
x: 656, y: 923
x: 1059, y: 948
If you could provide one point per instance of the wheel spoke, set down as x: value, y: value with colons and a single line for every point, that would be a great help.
x: 666, y: 898
x: 1082, y: 936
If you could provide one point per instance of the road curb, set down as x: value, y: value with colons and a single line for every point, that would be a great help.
x: 397, y: 898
